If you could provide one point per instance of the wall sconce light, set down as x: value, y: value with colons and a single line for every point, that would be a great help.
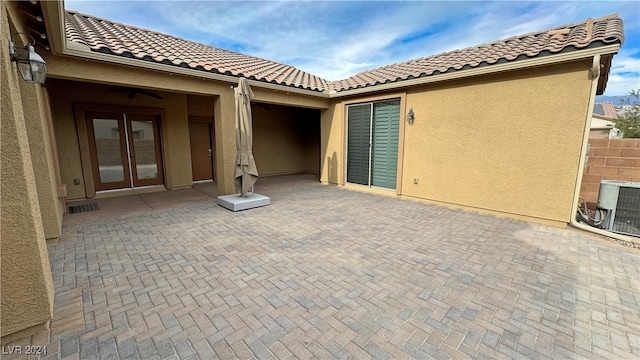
x: 31, y: 66
x: 411, y: 116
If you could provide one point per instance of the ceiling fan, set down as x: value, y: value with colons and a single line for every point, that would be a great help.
x: 132, y: 92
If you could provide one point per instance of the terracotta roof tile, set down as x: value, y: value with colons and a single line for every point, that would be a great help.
x: 105, y: 36
x: 581, y: 35
x: 605, y: 110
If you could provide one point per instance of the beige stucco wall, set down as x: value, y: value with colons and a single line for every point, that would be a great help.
x: 332, y: 127
x: 507, y: 143
x: 311, y: 131
x: 200, y: 105
x: 26, y: 299
x: 599, y: 133
x: 35, y: 108
x: 285, y: 139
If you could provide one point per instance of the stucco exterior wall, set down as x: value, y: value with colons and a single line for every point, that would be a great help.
x: 311, y: 131
x: 599, y: 133
x: 507, y: 143
x: 175, y: 142
x: 26, y: 302
x: 200, y: 105
x: 284, y: 140
x: 35, y: 110
x: 332, y: 127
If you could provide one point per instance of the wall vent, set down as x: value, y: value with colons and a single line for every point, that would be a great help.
x: 83, y: 208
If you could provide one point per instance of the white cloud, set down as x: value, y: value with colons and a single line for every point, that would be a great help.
x: 621, y: 85
x: 626, y: 63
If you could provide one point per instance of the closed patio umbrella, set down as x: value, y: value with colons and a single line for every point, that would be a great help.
x: 246, y: 173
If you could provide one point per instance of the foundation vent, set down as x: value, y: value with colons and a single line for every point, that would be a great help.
x: 83, y: 208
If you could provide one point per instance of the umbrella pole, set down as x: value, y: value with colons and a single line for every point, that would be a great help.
x: 243, y: 193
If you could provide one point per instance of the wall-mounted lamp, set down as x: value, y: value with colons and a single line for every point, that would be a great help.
x: 31, y: 66
x: 411, y: 116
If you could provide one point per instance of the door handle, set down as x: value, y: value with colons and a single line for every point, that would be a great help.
x: 209, y: 152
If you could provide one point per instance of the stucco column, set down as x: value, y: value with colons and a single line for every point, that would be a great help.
x: 176, y: 142
x: 25, y: 275
x: 331, y: 145
x: 41, y: 158
x: 225, y: 142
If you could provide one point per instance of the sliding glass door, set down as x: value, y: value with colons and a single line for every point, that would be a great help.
x: 372, y: 143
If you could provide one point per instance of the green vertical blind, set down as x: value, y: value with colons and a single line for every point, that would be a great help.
x: 372, y: 143
x: 359, y: 133
x: 384, y: 154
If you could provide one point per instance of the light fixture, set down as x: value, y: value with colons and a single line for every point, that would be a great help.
x: 410, y: 116
x: 31, y: 66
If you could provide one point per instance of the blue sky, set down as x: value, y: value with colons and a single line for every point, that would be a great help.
x: 337, y: 39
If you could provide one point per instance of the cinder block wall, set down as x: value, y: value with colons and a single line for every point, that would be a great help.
x: 610, y: 160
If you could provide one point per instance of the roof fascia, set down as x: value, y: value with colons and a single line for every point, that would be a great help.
x: 82, y: 51
x: 53, y: 12
x: 538, y: 61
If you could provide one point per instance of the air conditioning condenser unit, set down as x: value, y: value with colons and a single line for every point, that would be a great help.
x: 622, y: 200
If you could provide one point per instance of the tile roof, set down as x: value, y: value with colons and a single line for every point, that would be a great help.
x: 581, y: 35
x: 605, y: 110
x: 105, y: 36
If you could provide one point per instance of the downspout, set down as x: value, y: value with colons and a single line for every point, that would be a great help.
x: 595, y: 75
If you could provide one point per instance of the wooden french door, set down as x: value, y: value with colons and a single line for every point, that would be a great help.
x: 125, y: 149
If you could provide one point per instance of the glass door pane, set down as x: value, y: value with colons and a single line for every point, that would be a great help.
x: 384, y: 155
x: 358, y: 143
x: 125, y: 149
x: 144, y: 145
x: 109, y: 160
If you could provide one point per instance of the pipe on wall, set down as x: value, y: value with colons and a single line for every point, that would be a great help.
x: 595, y: 75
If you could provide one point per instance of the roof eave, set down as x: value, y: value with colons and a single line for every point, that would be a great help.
x: 605, y: 64
x: 508, y: 66
x: 54, y: 15
x: 82, y: 51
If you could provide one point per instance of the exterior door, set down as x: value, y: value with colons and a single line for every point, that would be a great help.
x: 201, y: 140
x: 384, y: 151
x: 124, y: 149
x: 372, y: 143
x: 359, y: 144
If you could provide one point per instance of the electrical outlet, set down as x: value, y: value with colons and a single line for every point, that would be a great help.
x: 415, y: 180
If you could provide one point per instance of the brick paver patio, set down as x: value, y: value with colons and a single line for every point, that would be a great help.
x: 327, y: 272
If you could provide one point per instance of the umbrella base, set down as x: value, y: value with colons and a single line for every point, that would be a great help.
x: 236, y: 202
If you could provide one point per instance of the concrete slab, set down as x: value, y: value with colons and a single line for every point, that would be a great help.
x: 235, y: 202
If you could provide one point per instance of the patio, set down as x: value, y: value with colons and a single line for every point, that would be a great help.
x: 327, y: 272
